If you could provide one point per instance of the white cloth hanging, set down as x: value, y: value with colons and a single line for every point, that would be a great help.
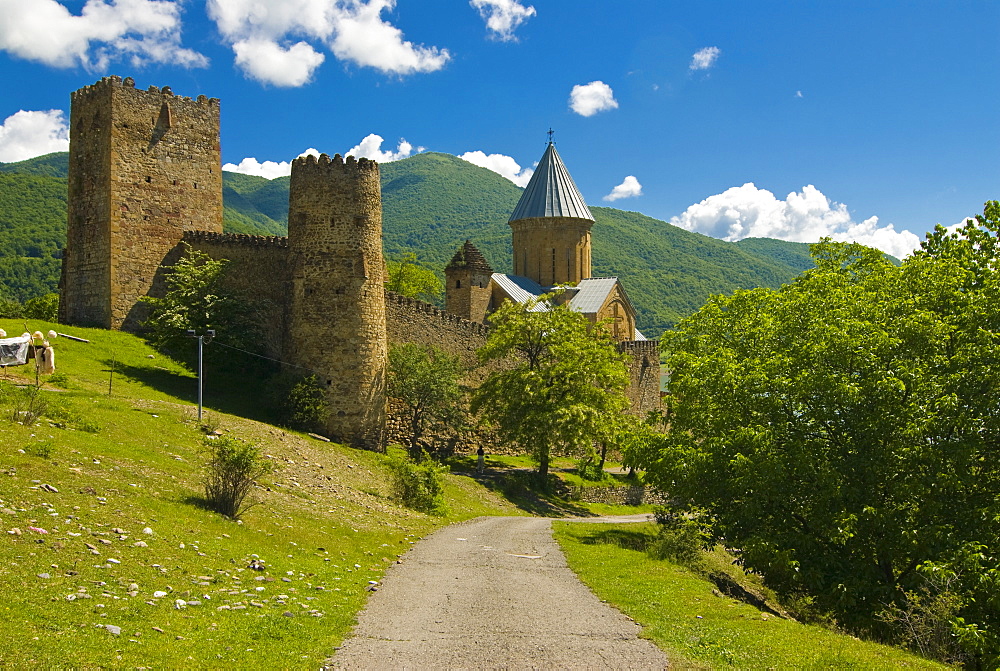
x: 14, y: 351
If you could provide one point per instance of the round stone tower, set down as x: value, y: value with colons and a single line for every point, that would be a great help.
x: 337, y: 306
x: 551, y: 226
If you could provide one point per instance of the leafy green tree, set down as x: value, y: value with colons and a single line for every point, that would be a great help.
x: 196, y: 298
x: 407, y: 277
x: 425, y: 380
x: 43, y: 307
x: 557, y: 383
x: 843, y: 430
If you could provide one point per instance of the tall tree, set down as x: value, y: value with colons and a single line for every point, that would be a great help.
x: 425, y: 379
x: 844, y: 430
x: 558, y: 382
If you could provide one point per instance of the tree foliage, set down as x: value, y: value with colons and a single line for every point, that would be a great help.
x: 844, y: 429
x: 197, y: 298
x: 558, y: 384
x: 408, y: 277
x: 425, y: 380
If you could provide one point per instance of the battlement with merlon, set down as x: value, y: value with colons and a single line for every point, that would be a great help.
x: 324, y: 165
x: 422, y: 307
x: 639, y: 347
x: 114, y: 81
x: 235, y: 239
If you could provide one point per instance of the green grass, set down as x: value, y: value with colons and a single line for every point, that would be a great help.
x: 324, y: 526
x: 680, y: 613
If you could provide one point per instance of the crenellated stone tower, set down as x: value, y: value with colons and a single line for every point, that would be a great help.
x: 551, y: 226
x: 467, y: 290
x: 144, y: 168
x: 337, y: 323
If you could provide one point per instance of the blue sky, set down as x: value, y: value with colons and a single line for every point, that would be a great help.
x: 863, y: 120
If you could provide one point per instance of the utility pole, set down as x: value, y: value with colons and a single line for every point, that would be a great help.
x: 202, y: 341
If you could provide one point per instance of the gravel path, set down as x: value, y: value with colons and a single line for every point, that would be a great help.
x: 491, y: 593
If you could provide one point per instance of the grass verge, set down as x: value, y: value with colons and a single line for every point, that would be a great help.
x: 682, y: 613
x: 109, y: 557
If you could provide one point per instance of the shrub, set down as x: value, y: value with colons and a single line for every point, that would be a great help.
x: 89, y: 426
x: 681, y: 538
x: 306, y: 404
x: 42, y: 449
x: 300, y: 401
x: 589, y: 468
x: 25, y: 405
x: 419, y: 485
x: 59, y: 380
x: 232, y: 468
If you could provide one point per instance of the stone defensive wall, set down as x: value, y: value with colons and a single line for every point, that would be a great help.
x: 644, y: 374
x: 413, y: 321
x: 259, y: 269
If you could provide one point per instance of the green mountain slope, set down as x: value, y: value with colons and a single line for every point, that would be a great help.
x: 431, y: 203
x: 32, y: 233
x: 792, y: 254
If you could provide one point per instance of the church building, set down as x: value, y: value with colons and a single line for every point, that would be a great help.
x: 551, y: 238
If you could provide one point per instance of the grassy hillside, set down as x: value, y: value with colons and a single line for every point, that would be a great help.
x: 685, y: 614
x: 432, y: 202
x: 84, y: 583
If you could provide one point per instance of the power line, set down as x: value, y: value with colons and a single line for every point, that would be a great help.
x: 267, y: 358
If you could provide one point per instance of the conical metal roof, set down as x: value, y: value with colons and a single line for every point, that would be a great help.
x: 551, y: 192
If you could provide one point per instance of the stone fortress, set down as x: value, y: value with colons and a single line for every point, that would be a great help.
x: 145, y: 179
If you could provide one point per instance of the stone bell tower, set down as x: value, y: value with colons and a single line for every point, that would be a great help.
x: 551, y: 226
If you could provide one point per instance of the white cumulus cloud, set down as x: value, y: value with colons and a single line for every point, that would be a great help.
x: 25, y: 135
x: 503, y: 16
x: 371, y: 147
x: 589, y: 99
x: 804, y: 216
x: 705, y: 58
x: 293, y: 31
x: 501, y: 164
x: 142, y: 31
x: 266, y: 169
x: 270, y: 63
x: 629, y: 188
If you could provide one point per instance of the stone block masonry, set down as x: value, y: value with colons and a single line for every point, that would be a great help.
x: 144, y: 168
x: 337, y: 300
x: 259, y: 270
x: 644, y: 374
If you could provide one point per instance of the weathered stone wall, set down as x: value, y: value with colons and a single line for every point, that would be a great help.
x: 631, y: 495
x: 144, y: 167
x: 552, y: 250
x: 259, y: 270
x: 644, y: 374
x: 337, y: 309
x: 413, y: 321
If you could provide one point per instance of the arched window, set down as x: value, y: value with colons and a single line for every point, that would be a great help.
x: 458, y: 284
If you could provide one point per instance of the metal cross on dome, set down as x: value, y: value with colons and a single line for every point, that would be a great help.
x: 550, y: 134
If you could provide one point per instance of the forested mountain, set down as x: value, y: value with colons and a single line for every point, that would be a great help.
x: 431, y: 203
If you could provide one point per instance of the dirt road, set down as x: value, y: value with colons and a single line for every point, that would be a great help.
x: 491, y: 593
